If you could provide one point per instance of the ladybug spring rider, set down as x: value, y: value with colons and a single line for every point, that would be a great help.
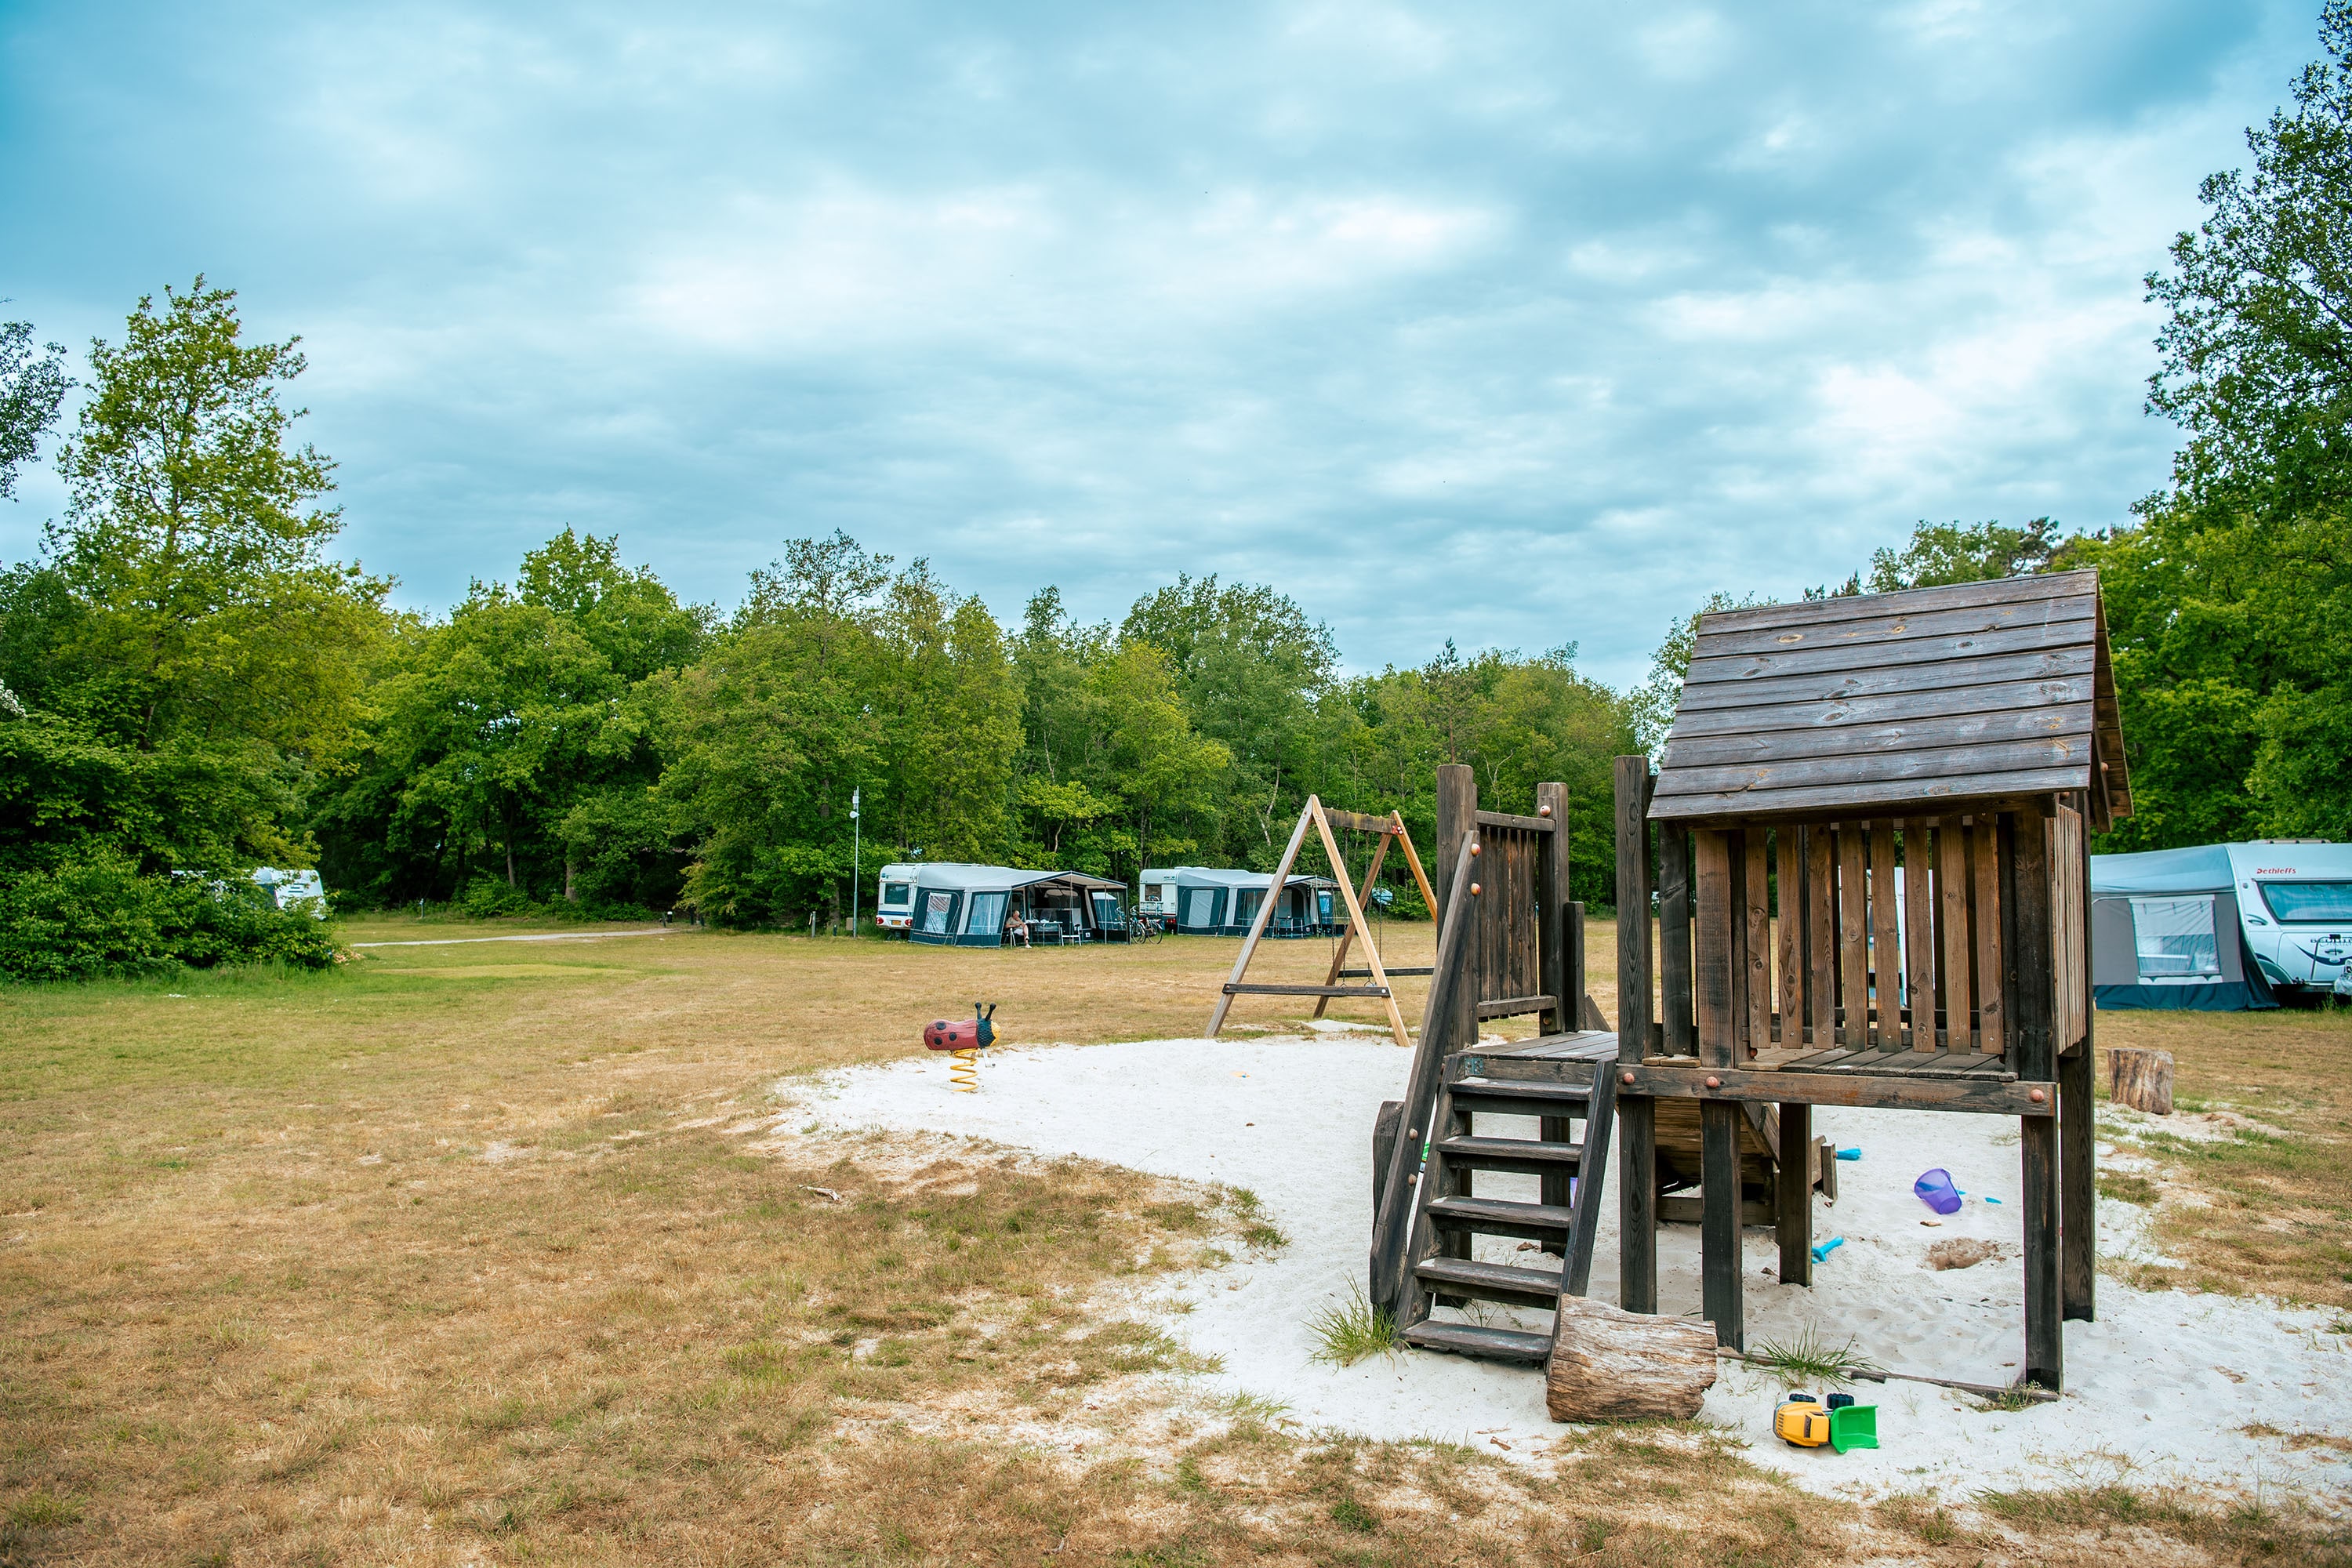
x: 963, y: 1039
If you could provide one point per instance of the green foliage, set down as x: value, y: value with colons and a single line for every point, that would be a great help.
x: 31, y: 386
x: 96, y: 914
x: 1346, y: 1333
x: 186, y: 658
x: 1945, y: 553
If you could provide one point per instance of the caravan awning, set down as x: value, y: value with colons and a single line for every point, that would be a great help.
x: 2155, y: 873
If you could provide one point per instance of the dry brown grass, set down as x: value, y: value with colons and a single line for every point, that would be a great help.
x: 2266, y: 1206
x: 493, y: 1254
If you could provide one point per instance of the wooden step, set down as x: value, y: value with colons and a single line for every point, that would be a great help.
x: 1522, y: 1156
x: 1466, y: 1339
x: 1459, y: 1277
x: 1512, y: 1096
x: 1501, y: 1217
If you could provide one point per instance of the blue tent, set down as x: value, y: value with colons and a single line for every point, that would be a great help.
x: 2166, y: 934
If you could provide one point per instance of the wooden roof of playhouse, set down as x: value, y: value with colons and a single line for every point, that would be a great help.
x: 1898, y: 704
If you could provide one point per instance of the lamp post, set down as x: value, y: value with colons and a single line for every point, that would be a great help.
x: 857, y: 852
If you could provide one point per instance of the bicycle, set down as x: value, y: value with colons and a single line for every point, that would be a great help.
x: 1144, y: 928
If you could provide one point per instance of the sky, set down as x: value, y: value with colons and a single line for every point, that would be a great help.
x: 1518, y: 325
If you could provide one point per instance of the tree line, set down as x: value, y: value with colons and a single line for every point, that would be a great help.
x: 192, y: 683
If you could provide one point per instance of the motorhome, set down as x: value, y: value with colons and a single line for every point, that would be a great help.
x: 2220, y: 925
x: 294, y: 888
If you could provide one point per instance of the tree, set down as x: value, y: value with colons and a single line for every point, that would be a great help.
x: 2257, y: 350
x: 32, y: 387
x: 189, y: 656
x: 1945, y: 552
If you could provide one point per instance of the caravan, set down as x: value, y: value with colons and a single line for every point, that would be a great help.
x: 2221, y: 926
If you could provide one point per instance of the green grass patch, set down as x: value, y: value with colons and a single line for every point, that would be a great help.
x: 1346, y: 1334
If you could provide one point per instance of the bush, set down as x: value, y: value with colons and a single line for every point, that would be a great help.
x: 97, y: 915
x: 486, y: 898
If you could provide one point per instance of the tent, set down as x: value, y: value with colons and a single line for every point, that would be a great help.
x: 1205, y: 900
x: 2166, y: 934
x: 950, y: 903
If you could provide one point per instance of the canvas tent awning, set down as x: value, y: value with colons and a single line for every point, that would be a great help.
x: 966, y: 905
x: 2166, y: 934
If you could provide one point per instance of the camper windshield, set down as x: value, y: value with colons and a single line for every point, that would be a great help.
x: 2309, y: 902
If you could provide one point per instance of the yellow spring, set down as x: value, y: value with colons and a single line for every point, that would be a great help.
x: 963, y: 1070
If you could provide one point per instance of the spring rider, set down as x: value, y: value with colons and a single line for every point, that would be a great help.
x: 963, y: 1040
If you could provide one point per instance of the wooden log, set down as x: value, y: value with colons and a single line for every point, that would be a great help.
x: 2141, y: 1078
x: 1612, y: 1365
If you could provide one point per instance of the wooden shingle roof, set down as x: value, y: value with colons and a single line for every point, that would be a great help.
x: 1898, y: 703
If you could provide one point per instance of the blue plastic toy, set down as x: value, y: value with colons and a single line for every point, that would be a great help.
x: 1935, y: 1190
x: 1823, y: 1251
x: 1849, y: 1153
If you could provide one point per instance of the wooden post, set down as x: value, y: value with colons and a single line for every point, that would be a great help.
x: 1854, y: 934
x: 1984, y: 848
x: 1637, y: 1162
x: 2078, y: 1152
x: 1264, y: 914
x: 1552, y: 909
x: 1717, y: 984
x: 1554, y: 928
x: 1457, y: 825
x: 1919, y: 928
x: 1886, y: 940
x: 2033, y: 1013
x: 1756, y: 946
x: 1952, y: 926
x: 1794, y: 1221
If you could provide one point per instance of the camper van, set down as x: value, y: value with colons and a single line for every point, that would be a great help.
x: 2220, y: 925
x: 2296, y: 900
x: 894, y: 899
x: 294, y: 888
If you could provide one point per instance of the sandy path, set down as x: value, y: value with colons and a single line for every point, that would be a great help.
x: 2159, y: 1387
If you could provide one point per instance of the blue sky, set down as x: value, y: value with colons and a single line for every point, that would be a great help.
x: 1515, y: 325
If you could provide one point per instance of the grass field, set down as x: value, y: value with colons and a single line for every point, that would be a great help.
x: 451, y: 1256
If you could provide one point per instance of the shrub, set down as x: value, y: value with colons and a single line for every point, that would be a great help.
x: 97, y: 915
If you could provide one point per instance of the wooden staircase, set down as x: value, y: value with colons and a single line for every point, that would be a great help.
x: 1437, y: 1266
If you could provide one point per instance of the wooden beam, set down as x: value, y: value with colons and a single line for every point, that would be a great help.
x: 2078, y: 1158
x: 1355, y: 918
x: 2029, y: 897
x: 1637, y: 1177
x: 1720, y: 1294
x: 1715, y: 978
x: 1980, y: 1096
x: 1253, y: 988
x: 1794, y: 1219
x: 1258, y: 924
x: 1348, y: 933
x: 1523, y: 824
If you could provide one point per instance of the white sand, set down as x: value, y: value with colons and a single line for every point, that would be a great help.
x: 2157, y: 1388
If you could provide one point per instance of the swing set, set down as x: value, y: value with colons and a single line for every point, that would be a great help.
x: 1375, y: 975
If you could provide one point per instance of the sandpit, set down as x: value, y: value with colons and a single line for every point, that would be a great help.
x: 2158, y: 1390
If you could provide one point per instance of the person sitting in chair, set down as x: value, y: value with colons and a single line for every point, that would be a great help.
x: 1016, y: 930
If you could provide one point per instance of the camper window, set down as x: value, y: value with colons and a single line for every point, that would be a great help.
x: 894, y: 894
x: 2175, y: 938
x: 2310, y: 902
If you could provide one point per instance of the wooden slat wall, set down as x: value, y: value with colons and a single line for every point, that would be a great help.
x: 1819, y: 956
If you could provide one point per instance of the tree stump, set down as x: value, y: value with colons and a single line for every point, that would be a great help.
x: 2140, y: 1078
x: 1610, y: 1366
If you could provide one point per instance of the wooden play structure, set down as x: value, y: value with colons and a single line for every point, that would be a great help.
x: 1375, y: 977
x: 1868, y: 830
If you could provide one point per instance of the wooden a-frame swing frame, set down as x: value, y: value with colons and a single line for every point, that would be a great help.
x: 1320, y: 818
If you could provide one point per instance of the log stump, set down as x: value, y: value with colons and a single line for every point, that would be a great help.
x: 2140, y: 1078
x: 1612, y: 1365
